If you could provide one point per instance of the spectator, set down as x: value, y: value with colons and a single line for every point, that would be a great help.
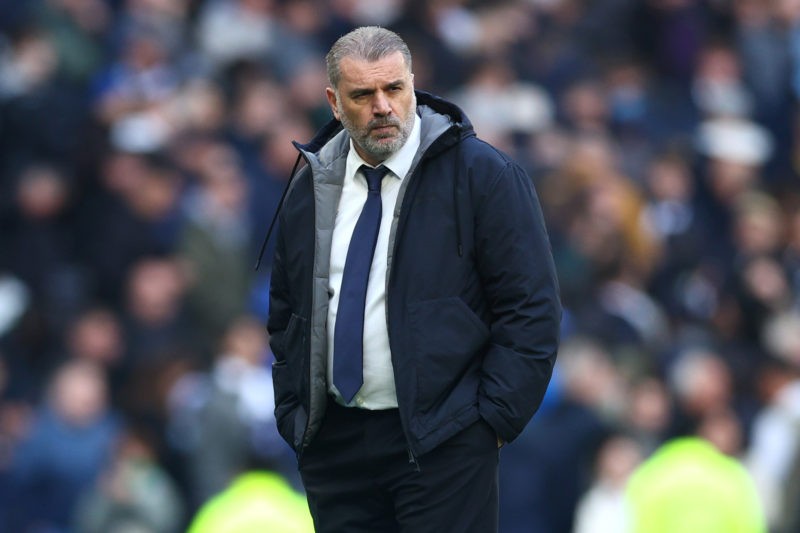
x: 96, y: 335
x: 689, y: 485
x: 237, y: 29
x: 133, y: 494
x: 154, y: 322
x: 541, y: 484
x: 69, y: 442
x: 41, y: 247
x: 603, y: 507
x: 773, y: 455
x: 216, y: 244
x: 255, y: 500
x: 137, y: 198
x: 702, y: 383
x: 220, y: 418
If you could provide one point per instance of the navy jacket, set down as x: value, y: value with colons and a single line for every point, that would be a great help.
x: 472, y: 299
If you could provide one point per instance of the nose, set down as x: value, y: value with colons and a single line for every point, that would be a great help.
x: 380, y: 105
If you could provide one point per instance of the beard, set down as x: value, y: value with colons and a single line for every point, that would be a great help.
x: 380, y: 146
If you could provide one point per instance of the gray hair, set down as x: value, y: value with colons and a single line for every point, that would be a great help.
x: 368, y: 43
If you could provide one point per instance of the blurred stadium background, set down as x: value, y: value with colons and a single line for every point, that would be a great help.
x: 144, y: 145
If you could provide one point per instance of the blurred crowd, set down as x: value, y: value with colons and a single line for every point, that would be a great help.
x: 144, y: 145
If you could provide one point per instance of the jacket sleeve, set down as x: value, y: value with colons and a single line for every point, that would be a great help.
x: 516, y: 267
x: 280, y: 315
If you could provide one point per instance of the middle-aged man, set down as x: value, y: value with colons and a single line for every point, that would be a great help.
x: 414, y: 307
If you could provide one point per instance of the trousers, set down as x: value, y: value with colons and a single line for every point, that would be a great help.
x: 360, y: 476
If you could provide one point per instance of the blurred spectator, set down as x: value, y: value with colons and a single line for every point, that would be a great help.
x: 33, y: 94
x: 724, y: 430
x: 689, y: 485
x: 138, y: 201
x: 28, y: 63
x: 255, y: 500
x: 603, y: 507
x: 774, y: 455
x: 220, y: 418
x: 648, y: 412
x: 166, y: 19
x: 154, y: 322
x: 77, y: 29
x: 216, y: 244
x: 96, y: 335
x: 702, y: 383
x: 498, y: 103
x: 736, y: 149
x: 540, y: 482
x: 585, y: 107
x: 761, y: 42
x: 40, y: 247
x: 133, y: 494
x: 276, y: 160
x: 68, y: 444
x: 678, y: 223
x: 259, y: 104
x: 766, y: 40
x: 237, y: 29
x: 132, y: 93
x: 717, y: 88
x: 158, y: 341
x: 762, y: 284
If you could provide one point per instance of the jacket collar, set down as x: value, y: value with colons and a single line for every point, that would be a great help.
x: 439, y: 117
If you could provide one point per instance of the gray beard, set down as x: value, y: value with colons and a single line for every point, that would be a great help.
x: 375, y: 149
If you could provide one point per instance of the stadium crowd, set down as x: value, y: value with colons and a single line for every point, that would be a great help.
x: 144, y: 146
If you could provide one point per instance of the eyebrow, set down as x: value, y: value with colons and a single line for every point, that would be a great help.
x: 365, y: 91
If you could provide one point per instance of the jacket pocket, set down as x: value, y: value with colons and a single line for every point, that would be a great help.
x: 296, y: 353
x: 290, y: 377
x: 448, y: 341
x: 286, y: 401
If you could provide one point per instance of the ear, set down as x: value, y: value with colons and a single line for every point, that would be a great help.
x: 331, y: 94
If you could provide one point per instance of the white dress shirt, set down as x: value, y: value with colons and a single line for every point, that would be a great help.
x: 378, y: 390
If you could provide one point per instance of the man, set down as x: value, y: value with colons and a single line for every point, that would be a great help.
x: 257, y: 500
x: 688, y: 484
x: 413, y: 309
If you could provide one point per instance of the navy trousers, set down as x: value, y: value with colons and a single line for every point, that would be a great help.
x: 359, y: 477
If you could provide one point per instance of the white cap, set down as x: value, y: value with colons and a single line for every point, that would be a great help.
x: 736, y: 140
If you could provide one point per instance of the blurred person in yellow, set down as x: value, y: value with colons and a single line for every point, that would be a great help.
x: 688, y: 485
x: 257, y: 501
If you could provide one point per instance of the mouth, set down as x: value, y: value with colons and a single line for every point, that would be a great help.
x: 384, y: 130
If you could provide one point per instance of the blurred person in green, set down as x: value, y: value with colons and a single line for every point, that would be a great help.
x: 257, y: 501
x: 688, y: 485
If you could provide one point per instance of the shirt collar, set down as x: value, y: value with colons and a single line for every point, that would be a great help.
x: 398, y: 163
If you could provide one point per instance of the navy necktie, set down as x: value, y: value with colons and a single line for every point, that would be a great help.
x: 348, y: 336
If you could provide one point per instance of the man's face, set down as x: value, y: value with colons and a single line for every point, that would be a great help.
x: 375, y: 103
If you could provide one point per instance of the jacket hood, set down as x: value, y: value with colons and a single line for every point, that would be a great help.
x: 456, y: 116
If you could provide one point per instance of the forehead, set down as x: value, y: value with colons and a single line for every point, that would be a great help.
x: 357, y: 72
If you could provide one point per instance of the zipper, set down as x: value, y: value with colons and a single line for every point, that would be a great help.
x: 412, y: 459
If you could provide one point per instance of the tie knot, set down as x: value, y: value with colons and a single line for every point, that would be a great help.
x: 374, y: 177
